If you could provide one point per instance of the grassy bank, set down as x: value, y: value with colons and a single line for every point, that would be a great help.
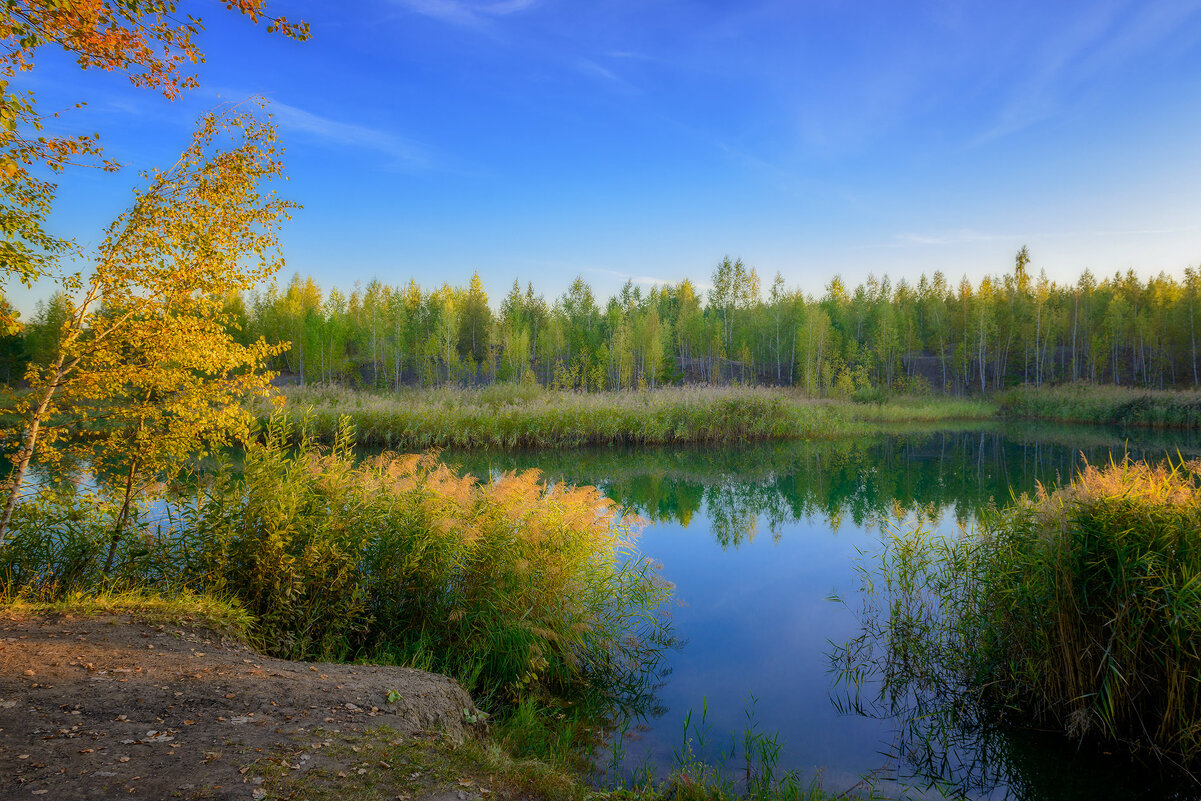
x: 1104, y: 405
x: 528, y: 416
x: 160, y: 641
x: 492, y: 766
x: 525, y: 592
x: 1079, y: 610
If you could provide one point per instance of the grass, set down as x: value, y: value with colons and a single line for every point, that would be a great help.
x: 918, y: 409
x: 519, y: 589
x: 380, y: 765
x: 1078, y: 610
x: 220, y: 615
x: 1107, y: 405
x: 520, y: 416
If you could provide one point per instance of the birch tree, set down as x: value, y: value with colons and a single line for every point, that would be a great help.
x: 145, y: 354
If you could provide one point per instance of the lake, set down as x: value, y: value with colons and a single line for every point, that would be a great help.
x: 758, y: 539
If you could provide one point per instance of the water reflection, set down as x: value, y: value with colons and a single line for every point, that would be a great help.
x: 758, y: 537
x: 863, y: 482
x: 946, y: 745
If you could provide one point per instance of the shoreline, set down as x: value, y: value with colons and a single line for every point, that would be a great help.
x: 520, y: 417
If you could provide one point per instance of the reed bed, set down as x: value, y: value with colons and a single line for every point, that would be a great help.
x: 520, y: 589
x: 1090, y: 605
x: 1106, y: 405
x: 1078, y: 609
x: 510, y: 416
x: 520, y: 417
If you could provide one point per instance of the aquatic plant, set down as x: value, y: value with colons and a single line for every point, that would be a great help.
x: 1077, y: 609
x: 748, y: 768
x: 519, y: 588
x: 527, y: 416
x: 461, y: 418
x: 1110, y: 405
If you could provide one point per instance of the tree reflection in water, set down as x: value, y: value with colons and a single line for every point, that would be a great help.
x: 941, y: 742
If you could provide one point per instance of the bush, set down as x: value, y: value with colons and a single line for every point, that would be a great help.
x: 1121, y: 406
x: 869, y: 394
x: 1079, y: 609
x: 519, y: 588
x: 1089, y: 605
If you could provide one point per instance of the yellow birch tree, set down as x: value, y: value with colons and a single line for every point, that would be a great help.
x: 151, y: 42
x: 146, y: 360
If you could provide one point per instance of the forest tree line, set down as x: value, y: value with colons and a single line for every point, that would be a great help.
x: 879, y: 336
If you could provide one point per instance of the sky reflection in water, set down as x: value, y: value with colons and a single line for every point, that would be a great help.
x: 757, y: 538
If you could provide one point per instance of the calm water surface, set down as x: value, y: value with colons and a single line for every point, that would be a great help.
x: 758, y: 538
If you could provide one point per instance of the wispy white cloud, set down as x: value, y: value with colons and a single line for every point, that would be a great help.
x: 590, y: 67
x: 608, y: 78
x: 466, y: 12
x: 1100, y: 41
x: 407, y: 154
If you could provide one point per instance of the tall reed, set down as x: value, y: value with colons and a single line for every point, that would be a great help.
x: 1109, y: 405
x: 1089, y: 605
x: 520, y: 416
x: 1078, y: 609
x: 519, y: 588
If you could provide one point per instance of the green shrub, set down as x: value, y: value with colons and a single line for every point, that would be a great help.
x: 520, y: 588
x: 1089, y: 605
x: 1078, y: 609
x: 869, y: 394
x: 1110, y: 405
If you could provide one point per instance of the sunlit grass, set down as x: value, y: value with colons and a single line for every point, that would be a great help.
x: 219, y: 614
x: 1093, y: 403
x: 1078, y: 609
x: 528, y: 416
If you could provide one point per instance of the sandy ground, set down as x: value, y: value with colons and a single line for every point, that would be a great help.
x: 107, y: 707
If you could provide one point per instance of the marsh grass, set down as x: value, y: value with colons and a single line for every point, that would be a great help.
x: 916, y: 409
x: 530, y: 417
x: 511, y: 416
x: 701, y: 770
x: 1078, y: 610
x: 1090, y: 605
x: 1108, y: 405
x: 520, y: 589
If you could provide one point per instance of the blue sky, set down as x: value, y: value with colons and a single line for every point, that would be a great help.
x: 541, y: 139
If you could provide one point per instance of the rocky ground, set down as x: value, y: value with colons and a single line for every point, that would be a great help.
x: 109, y: 707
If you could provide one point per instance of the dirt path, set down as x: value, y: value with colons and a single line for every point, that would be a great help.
x: 107, y: 707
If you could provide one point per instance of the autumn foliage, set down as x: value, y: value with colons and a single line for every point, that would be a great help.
x: 148, y: 41
x: 147, y: 355
x: 521, y: 588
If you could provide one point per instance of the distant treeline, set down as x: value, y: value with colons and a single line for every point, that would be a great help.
x: 877, y: 337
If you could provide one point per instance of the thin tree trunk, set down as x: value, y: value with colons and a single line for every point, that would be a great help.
x: 122, y: 517
x: 25, y: 456
x: 1193, y: 337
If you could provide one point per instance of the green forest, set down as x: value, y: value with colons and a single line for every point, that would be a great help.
x: 859, y: 500
x: 931, y: 336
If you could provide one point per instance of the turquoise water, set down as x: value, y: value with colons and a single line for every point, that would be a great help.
x: 758, y: 539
